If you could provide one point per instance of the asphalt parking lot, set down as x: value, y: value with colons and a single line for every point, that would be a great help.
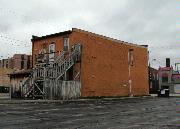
x: 138, y: 113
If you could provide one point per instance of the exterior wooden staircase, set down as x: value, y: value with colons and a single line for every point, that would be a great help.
x: 35, y: 85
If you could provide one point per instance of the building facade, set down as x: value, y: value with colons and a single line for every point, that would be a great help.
x: 5, y: 82
x: 17, y: 62
x: 16, y: 67
x: 16, y: 79
x: 4, y: 78
x: 104, y: 67
x: 169, y: 79
x: 153, y: 80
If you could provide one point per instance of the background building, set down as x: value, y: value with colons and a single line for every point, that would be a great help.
x: 5, y: 82
x: 16, y: 80
x: 13, y: 71
x: 22, y: 61
x: 169, y: 78
x: 17, y: 62
x: 153, y: 81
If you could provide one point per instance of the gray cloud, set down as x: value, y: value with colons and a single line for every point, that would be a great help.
x: 154, y: 22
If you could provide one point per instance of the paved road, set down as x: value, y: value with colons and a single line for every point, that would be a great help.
x: 141, y: 113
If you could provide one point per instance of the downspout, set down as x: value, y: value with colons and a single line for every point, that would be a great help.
x: 129, y: 70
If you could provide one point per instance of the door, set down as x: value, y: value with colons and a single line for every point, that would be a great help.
x: 51, y: 52
x: 66, y: 44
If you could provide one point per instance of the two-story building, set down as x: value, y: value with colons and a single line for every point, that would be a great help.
x: 169, y: 78
x: 85, y: 64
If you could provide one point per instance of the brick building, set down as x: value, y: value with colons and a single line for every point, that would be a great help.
x: 169, y: 78
x: 22, y: 61
x: 4, y: 79
x: 16, y: 79
x: 5, y: 82
x: 153, y: 81
x: 107, y: 67
x: 17, y: 62
x: 13, y: 67
x: 4, y: 63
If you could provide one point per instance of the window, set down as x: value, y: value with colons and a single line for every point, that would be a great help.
x: 164, y: 77
x: 22, y: 64
x: 44, y: 46
x: 52, y: 51
x: 6, y: 64
x: 66, y: 44
x: 51, y: 48
x: 22, y: 61
x: 4, y: 89
x: 154, y: 77
x: 28, y: 62
x: 151, y: 85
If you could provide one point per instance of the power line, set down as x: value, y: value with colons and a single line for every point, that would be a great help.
x: 16, y: 41
x: 166, y: 47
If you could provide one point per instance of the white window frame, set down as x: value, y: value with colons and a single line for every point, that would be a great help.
x: 66, y: 44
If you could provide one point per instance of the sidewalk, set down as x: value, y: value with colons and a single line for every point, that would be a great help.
x: 170, y: 95
x: 21, y: 101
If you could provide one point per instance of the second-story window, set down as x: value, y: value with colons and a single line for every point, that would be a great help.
x: 165, y: 77
x: 66, y: 44
x: 52, y: 50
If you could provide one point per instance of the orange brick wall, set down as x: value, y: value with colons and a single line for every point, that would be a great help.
x: 105, y: 67
x: 4, y: 78
x: 37, y: 45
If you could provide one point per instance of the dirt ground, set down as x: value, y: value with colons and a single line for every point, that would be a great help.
x: 138, y: 113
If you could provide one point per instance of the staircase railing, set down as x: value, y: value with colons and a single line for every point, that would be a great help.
x: 26, y: 85
x: 38, y: 72
x: 60, y: 58
x: 60, y: 66
x: 67, y: 64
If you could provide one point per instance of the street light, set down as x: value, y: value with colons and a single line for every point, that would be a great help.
x: 154, y: 60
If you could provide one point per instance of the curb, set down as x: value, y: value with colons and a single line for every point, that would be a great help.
x: 16, y: 101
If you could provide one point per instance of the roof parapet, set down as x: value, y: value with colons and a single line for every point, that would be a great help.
x: 108, y: 38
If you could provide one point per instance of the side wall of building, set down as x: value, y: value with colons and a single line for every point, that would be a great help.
x: 17, y: 62
x: 21, y: 61
x: 16, y: 81
x: 4, y: 78
x: 105, y: 70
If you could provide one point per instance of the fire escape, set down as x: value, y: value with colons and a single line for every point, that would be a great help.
x: 47, y: 76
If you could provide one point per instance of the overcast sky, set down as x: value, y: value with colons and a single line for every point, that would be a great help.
x: 152, y: 22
